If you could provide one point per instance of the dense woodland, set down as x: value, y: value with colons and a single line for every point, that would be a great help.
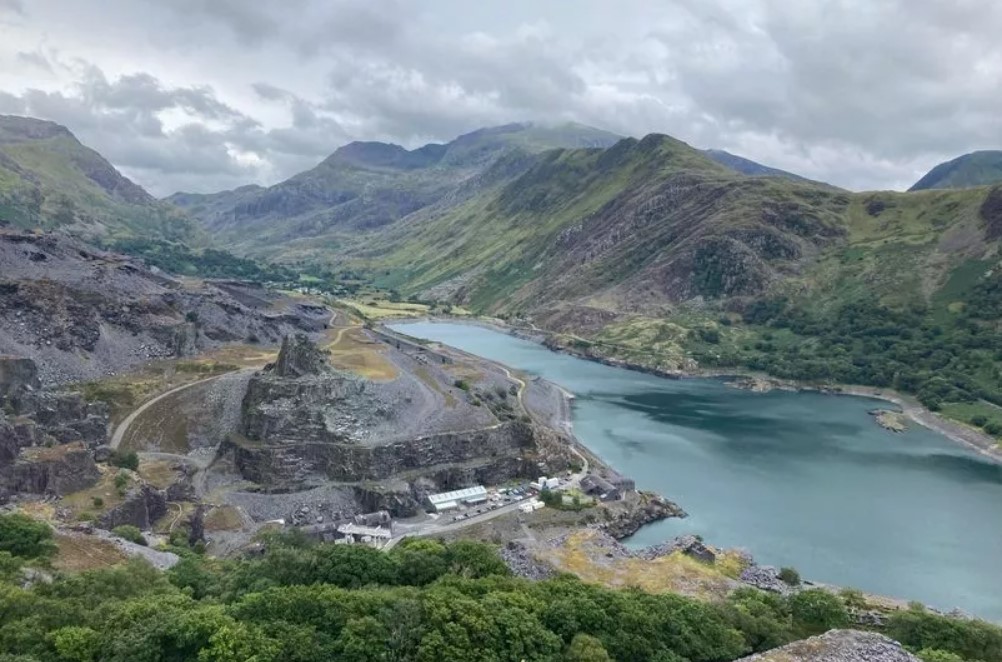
x: 941, y: 359
x: 424, y: 601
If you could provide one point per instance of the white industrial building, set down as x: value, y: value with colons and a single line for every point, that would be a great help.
x: 449, y: 500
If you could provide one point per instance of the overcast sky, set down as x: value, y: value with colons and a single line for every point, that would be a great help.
x: 201, y: 95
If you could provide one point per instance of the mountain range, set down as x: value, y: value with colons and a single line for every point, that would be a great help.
x: 649, y: 251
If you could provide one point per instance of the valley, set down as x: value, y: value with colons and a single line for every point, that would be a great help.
x: 367, y: 379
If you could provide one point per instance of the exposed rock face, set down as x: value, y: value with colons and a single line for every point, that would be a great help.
x: 299, y: 356
x: 838, y: 646
x: 304, y: 423
x: 46, y: 438
x: 17, y: 374
x: 58, y: 470
x: 82, y: 313
x: 497, y: 450
x: 142, y: 507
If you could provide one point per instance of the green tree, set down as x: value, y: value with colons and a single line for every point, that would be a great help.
x: 789, y: 576
x: 23, y: 536
x: 76, y: 644
x: 472, y: 559
x: 124, y: 459
x: 586, y: 648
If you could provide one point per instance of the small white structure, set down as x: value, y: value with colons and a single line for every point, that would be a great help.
x: 449, y: 500
x: 369, y: 535
x: 531, y: 505
x: 551, y: 483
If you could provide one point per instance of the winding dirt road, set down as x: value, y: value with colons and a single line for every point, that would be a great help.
x: 123, y: 427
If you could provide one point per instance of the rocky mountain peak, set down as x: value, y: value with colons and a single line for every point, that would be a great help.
x: 300, y: 356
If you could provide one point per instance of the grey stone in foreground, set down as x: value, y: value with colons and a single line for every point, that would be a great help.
x: 838, y: 646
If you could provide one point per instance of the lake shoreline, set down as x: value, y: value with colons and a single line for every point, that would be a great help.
x: 538, y: 337
x: 960, y: 434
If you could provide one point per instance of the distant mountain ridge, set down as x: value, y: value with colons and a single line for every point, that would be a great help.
x: 367, y: 185
x: 975, y: 169
x: 49, y: 180
x: 749, y: 167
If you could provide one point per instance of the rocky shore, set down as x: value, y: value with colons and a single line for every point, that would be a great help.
x: 649, y: 508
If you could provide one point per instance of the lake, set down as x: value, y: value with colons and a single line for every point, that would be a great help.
x: 800, y: 479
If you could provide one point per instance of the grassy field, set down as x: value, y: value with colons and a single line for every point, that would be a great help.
x: 582, y: 555
x: 88, y: 504
x: 378, y: 309
x: 351, y: 350
x: 80, y: 553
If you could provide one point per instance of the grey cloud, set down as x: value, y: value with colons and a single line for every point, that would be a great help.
x: 860, y: 93
x: 35, y: 59
x: 13, y: 6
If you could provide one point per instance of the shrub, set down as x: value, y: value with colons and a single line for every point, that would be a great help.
x: 978, y: 420
x: 121, y: 482
x: 853, y: 598
x: 22, y: 536
x: 98, y: 502
x: 461, y: 384
x: 124, y: 459
x: 789, y: 576
x: 816, y: 610
x: 130, y: 533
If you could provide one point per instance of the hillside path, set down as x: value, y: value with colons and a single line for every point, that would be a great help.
x: 123, y: 427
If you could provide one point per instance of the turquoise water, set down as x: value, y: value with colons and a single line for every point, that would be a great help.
x: 800, y: 479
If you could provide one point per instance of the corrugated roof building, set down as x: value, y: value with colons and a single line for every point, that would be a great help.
x: 449, y: 500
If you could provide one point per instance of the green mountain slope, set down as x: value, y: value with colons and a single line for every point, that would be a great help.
x: 643, y: 223
x: 652, y: 253
x: 974, y: 169
x: 49, y: 180
x: 366, y: 185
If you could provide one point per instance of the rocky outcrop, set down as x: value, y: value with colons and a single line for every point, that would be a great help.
x: 522, y: 563
x: 142, y: 507
x: 58, y: 470
x: 46, y: 438
x: 838, y: 646
x: 17, y: 374
x: 689, y: 545
x: 299, y: 356
x: 765, y: 578
x: 648, y: 508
